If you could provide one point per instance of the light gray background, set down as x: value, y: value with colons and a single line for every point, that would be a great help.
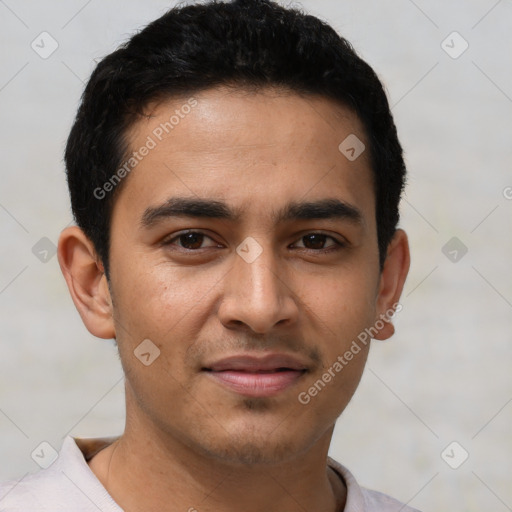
x: 445, y: 376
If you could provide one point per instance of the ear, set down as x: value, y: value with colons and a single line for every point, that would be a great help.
x: 392, y: 279
x: 86, y: 281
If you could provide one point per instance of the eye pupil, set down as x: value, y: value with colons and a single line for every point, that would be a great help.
x: 194, y: 239
x: 317, y: 239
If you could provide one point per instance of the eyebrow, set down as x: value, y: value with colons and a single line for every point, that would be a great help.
x: 213, y: 209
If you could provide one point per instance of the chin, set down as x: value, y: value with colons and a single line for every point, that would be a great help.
x: 249, y: 442
x: 252, y: 452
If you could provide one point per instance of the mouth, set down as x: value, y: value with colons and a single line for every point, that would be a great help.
x: 255, y: 376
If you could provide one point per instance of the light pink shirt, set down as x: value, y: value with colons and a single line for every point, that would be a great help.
x: 69, y: 485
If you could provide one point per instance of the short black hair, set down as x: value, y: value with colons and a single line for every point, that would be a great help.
x: 243, y: 43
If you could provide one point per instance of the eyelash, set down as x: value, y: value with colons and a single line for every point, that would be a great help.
x: 338, y: 244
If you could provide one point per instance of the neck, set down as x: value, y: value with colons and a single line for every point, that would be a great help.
x: 158, y: 473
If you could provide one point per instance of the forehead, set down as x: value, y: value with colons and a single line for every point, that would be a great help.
x: 249, y: 148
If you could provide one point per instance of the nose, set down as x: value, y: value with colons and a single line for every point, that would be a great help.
x: 258, y: 295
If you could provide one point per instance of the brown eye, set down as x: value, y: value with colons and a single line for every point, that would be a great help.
x: 316, y: 241
x: 191, y: 240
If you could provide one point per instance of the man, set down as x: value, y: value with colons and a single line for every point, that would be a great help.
x: 235, y: 174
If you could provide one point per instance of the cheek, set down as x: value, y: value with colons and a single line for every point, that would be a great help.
x: 155, y: 298
x: 345, y: 303
x: 168, y: 306
x: 155, y: 305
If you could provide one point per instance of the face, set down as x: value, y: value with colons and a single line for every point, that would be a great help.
x: 244, y: 248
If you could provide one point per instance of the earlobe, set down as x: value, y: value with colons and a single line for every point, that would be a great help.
x: 393, y: 275
x: 86, y: 282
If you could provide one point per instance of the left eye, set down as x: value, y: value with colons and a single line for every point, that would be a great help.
x: 317, y: 240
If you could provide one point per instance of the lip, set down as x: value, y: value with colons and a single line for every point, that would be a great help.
x: 257, y: 376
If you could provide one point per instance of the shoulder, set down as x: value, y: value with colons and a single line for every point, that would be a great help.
x: 67, y: 484
x: 366, y: 500
x: 377, y: 501
x: 30, y: 492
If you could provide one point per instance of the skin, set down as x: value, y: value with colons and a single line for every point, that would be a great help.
x: 189, y: 442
